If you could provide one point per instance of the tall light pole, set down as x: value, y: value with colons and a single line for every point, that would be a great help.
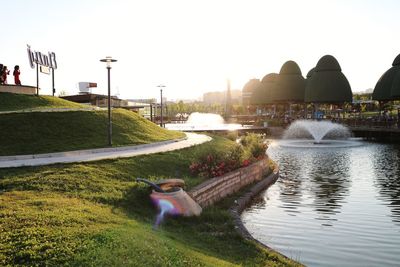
x: 108, y: 61
x: 161, y: 86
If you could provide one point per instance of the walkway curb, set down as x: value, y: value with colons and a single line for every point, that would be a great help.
x: 191, y: 139
x: 35, y: 110
x: 88, y: 151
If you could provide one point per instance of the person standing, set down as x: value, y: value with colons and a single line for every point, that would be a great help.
x: 16, y: 74
x: 1, y: 73
x: 4, y: 75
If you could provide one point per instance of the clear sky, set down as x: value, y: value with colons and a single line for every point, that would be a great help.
x: 195, y: 46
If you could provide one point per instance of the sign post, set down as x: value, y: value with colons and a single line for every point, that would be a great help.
x: 46, y: 63
x: 161, y: 86
x: 37, y: 78
x: 52, y: 81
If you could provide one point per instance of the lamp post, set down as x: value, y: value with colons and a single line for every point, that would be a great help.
x: 108, y: 61
x: 161, y: 86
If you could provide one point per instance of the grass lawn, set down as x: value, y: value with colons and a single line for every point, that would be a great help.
x: 44, y: 132
x: 95, y: 214
x: 11, y: 102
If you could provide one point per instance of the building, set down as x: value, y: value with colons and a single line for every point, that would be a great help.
x: 95, y: 100
x: 141, y: 106
x: 218, y: 97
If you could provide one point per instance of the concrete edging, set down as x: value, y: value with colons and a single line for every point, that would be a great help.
x: 88, y: 151
x: 48, y: 110
x: 243, y: 201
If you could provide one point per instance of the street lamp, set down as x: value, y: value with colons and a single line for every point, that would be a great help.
x: 161, y: 86
x: 108, y: 61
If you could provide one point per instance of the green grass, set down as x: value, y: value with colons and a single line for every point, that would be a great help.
x: 43, y: 132
x: 95, y: 214
x: 12, y: 102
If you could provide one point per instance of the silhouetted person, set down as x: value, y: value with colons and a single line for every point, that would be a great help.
x: 1, y: 73
x: 16, y: 74
x: 4, y: 75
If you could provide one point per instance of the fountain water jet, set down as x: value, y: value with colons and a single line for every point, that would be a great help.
x: 204, y: 121
x: 209, y: 119
x: 304, y: 129
x: 306, y: 133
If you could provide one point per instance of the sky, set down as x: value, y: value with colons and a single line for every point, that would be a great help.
x: 193, y: 47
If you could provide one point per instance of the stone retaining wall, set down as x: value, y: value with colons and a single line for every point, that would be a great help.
x: 18, y: 89
x: 244, y: 201
x: 217, y: 188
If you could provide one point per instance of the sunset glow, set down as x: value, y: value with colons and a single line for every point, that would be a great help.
x: 194, y: 46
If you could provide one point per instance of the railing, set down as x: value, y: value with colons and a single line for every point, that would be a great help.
x: 374, y: 122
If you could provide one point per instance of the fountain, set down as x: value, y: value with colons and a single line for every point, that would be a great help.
x: 307, y: 133
x: 204, y: 122
x: 205, y: 119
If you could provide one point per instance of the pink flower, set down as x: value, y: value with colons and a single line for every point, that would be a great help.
x: 245, y: 163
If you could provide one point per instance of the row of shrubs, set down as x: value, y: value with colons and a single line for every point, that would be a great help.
x: 248, y: 149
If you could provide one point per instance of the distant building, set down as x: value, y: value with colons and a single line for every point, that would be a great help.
x: 141, y: 106
x: 220, y: 97
x: 185, y: 101
x: 145, y: 100
x: 94, y: 100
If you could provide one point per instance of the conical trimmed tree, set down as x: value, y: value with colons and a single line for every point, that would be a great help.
x: 388, y: 86
x: 327, y: 83
x: 248, y: 90
x: 262, y: 94
x: 289, y: 85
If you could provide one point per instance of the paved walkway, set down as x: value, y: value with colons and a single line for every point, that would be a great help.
x: 30, y: 110
x: 102, y: 153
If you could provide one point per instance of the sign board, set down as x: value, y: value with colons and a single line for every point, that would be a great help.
x: 85, y: 86
x: 45, y: 60
x: 44, y: 69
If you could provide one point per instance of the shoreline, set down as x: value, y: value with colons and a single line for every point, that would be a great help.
x: 244, y: 201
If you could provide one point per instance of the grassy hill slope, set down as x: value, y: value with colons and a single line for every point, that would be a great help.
x: 44, y: 132
x: 11, y: 102
x: 95, y: 214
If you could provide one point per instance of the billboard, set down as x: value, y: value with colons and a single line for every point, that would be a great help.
x: 84, y: 87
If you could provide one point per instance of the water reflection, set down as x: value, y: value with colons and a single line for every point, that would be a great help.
x: 321, y: 177
x: 332, y: 207
x: 290, y: 184
x: 330, y: 183
x: 387, y: 178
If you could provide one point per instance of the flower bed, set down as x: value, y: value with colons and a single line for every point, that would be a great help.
x: 249, y: 149
x: 238, y: 166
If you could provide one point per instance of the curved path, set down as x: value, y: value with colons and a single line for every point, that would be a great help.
x: 30, y: 110
x: 102, y: 153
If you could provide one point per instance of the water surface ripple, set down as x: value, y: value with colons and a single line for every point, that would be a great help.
x: 332, y: 207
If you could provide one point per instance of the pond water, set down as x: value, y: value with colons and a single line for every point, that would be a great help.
x: 332, y: 206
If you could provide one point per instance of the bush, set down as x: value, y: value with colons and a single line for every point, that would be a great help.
x: 255, y: 145
x: 232, y: 135
x: 211, y: 164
